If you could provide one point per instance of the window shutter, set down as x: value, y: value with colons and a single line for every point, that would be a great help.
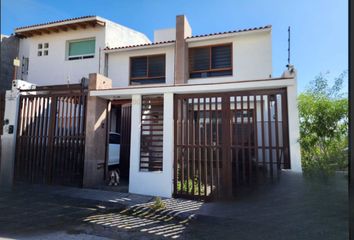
x: 221, y: 57
x: 157, y: 66
x: 147, y: 69
x: 199, y: 59
x: 139, y: 67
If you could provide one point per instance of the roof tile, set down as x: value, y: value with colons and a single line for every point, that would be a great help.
x: 140, y: 45
x: 234, y: 31
x: 59, y: 21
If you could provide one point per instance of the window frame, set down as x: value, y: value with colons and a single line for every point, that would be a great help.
x: 82, y: 56
x: 190, y: 71
x: 147, y: 69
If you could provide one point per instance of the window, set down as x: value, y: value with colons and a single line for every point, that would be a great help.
x: 42, y: 52
x: 151, y: 142
x: 210, y: 61
x: 147, y: 69
x: 81, y: 49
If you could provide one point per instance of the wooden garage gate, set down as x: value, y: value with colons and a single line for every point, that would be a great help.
x: 227, y: 141
x: 51, y: 135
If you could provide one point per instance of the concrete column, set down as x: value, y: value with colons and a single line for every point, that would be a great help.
x: 96, y: 132
x: 168, y: 142
x: 183, y: 30
x: 152, y: 183
x: 294, y: 129
x: 8, y: 139
x: 134, y: 184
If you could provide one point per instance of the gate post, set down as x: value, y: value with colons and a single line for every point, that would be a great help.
x: 95, y: 132
x: 8, y: 139
x: 294, y: 125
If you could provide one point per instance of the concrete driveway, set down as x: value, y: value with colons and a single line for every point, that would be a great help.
x: 293, y: 208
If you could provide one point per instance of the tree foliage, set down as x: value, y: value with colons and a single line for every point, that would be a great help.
x: 323, y: 111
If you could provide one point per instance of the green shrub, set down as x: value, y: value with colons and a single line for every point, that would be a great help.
x: 323, y: 127
x: 188, y: 186
x: 158, y: 204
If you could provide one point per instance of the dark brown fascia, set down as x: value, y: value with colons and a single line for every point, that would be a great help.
x: 57, y: 29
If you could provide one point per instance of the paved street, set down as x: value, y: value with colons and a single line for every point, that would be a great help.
x: 294, y: 208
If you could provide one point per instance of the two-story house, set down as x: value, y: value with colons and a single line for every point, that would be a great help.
x: 207, y: 114
x: 198, y: 116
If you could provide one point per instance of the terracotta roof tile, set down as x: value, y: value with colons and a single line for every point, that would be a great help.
x: 140, y: 45
x: 59, y: 21
x: 234, y: 31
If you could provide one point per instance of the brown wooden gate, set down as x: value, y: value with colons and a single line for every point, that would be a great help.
x: 125, y: 139
x: 51, y: 136
x: 224, y: 141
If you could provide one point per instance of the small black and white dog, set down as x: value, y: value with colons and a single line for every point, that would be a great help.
x: 113, y: 177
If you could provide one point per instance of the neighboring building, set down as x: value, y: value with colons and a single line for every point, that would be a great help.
x: 9, y: 51
x: 63, y: 52
x: 198, y: 116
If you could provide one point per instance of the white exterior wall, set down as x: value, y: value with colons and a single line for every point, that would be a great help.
x: 119, y: 64
x: 162, y: 35
x: 8, y: 140
x: 23, y: 51
x: 152, y: 183
x: 252, y: 56
x: 118, y: 35
x: 294, y: 129
x: 55, y: 68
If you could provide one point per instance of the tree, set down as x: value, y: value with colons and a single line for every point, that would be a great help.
x: 323, y: 111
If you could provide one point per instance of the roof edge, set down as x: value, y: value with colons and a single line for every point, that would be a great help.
x: 231, y: 32
x: 107, y: 49
x: 59, y: 23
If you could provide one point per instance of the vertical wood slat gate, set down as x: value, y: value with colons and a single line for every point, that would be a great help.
x: 51, y: 138
x: 225, y: 141
x: 125, y: 139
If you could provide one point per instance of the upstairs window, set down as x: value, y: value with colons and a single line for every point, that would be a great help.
x: 43, y: 49
x: 148, y: 69
x: 81, y: 49
x: 210, y: 61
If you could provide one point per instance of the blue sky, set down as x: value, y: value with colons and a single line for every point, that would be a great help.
x: 319, y: 28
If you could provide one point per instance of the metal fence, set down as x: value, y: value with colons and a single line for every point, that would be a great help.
x: 51, y: 136
x: 224, y: 141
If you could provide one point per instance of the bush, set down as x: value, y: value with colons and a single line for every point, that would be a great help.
x: 323, y: 127
x: 188, y: 186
